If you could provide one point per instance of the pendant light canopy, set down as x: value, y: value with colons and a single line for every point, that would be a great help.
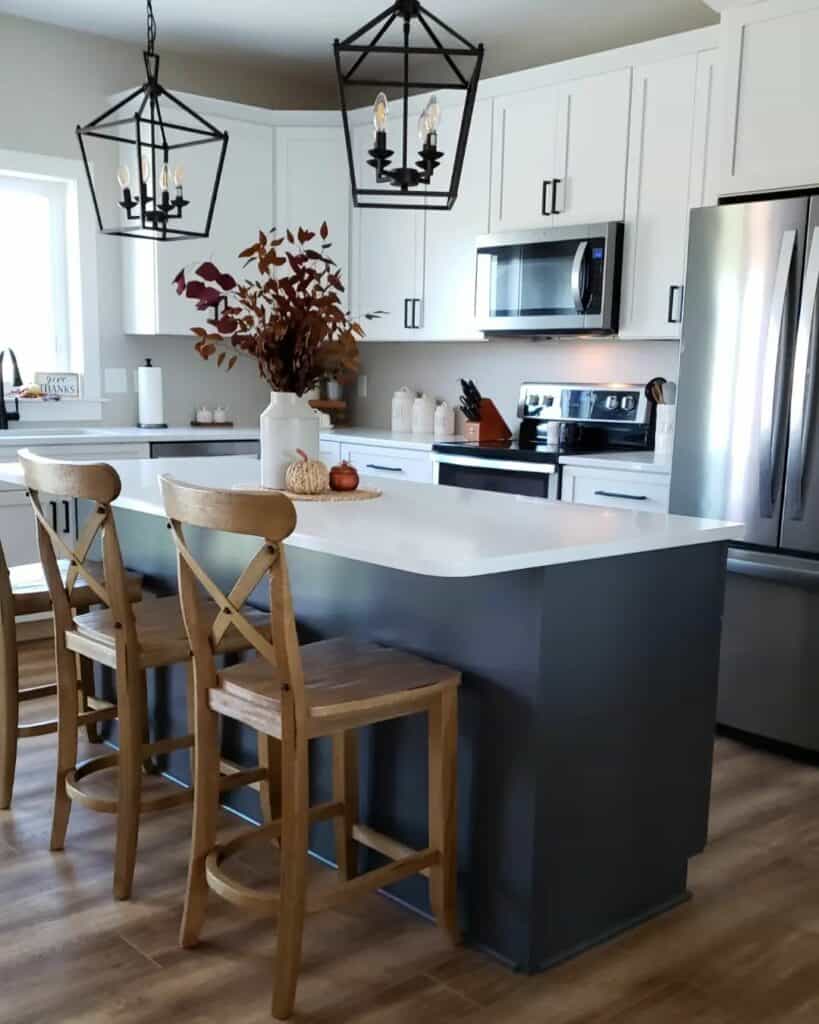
x: 436, y: 59
x: 148, y: 130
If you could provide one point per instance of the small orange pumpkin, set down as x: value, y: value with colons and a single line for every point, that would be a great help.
x: 343, y: 477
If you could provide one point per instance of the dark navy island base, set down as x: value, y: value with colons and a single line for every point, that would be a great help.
x: 586, y: 731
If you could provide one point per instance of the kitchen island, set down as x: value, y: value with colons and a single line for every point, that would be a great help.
x: 589, y: 643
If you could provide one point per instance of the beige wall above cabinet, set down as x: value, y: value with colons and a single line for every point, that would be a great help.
x: 244, y: 205
x: 560, y: 153
x: 671, y: 111
x: 769, y: 57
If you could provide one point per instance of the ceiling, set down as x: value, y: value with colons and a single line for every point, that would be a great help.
x: 517, y: 33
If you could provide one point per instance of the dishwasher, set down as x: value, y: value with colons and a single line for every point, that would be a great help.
x: 197, y: 449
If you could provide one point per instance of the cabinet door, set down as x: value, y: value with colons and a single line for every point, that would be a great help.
x: 330, y: 452
x: 17, y: 532
x: 390, y: 463
x: 388, y: 247
x: 243, y: 206
x: 524, y: 164
x: 772, y: 89
x: 313, y: 185
x: 592, y: 148
x: 657, y: 198
x: 449, y: 251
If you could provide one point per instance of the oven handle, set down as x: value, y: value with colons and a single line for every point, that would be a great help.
x: 498, y: 465
x: 578, y: 280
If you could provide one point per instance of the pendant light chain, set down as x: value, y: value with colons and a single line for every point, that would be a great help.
x: 151, y: 28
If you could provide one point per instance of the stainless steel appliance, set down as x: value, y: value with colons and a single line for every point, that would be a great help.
x: 589, y: 418
x: 552, y: 281
x: 746, y: 449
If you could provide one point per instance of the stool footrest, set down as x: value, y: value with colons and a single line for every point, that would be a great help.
x: 110, y: 805
x: 167, y: 745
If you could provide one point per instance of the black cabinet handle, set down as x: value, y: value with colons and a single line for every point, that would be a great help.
x: 66, y: 517
x: 406, y: 312
x: 416, y: 304
x: 617, y: 494
x: 544, y: 205
x: 53, y: 505
x: 672, y: 292
x: 555, y: 183
x: 385, y: 469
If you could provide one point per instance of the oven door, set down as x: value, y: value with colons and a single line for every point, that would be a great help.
x: 535, y: 480
x: 558, y: 280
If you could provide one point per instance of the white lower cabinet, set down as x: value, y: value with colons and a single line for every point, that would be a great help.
x: 17, y: 533
x: 390, y: 463
x: 330, y: 453
x: 643, y: 492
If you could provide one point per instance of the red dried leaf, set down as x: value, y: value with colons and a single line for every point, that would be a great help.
x: 208, y: 271
x: 290, y: 237
x: 226, y: 282
x: 179, y: 282
x: 324, y: 231
x: 232, y: 362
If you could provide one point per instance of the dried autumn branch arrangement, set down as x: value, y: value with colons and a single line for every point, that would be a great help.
x: 293, y: 324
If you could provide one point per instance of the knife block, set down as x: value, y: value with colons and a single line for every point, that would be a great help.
x: 490, y: 427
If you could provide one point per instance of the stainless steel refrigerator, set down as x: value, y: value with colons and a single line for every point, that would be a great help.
x: 747, y: 448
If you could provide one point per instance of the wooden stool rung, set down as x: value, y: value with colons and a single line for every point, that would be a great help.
x: 250, y: 777
x: 395, y: 871
x: 38, y: 692
x: 168, y: 745
x: 43, y: 728
x: 384, y: 844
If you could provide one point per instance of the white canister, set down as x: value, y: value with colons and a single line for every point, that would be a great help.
x: 444, y: 420
x: 402, y: 411
x: 287, y: 425
x: 423, y: 415
x: 664, y: 432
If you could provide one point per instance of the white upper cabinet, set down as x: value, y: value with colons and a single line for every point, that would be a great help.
x: 771, y: 79
x: 657, y: 200
x: 525, y: 126
x: 591, y: 150
x: 388, y: 254
x: 313, y: 185
x: 448, y: 311
x: 560, y: 153
x: 243, y: 206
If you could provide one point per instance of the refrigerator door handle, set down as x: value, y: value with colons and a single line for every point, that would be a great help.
x: 802, y: 387
x: 770, y: 427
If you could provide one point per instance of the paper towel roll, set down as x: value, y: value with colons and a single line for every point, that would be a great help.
x: 149, y: 386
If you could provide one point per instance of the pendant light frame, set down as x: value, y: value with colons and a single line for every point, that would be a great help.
x: 406, y: 179
x: 154, y: 138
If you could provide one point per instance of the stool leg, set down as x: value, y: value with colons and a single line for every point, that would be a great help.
x: 205, y: 811
x: 67, y: 725
x: 270, y: 788
x: 150, y: 764
x: 345, y: 790
x: 130, y: 687
x: 85, y: 674
x: 443, y: 752
x: 295, y: 808
x: 9, y: 708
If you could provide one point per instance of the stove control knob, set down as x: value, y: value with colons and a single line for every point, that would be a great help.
x: 627, y: 403
x: 611, y: 402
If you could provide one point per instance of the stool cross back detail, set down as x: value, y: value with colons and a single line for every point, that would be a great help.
x: 293, y: 694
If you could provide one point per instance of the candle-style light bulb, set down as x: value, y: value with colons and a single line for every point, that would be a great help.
x: 179, y: 176
x: 165, y: 178
x: 433, y: 115
x: 423, y: 127
x: 124, y: 177
x: 146, y: 170
x: 380, y: 110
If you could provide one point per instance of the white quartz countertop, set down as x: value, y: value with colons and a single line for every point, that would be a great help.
x: 434, y: 530
x: 631, y: 462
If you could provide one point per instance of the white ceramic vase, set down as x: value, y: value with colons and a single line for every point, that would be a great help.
x: 286, y: 425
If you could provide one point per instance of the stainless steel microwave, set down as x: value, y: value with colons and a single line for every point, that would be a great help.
x: 562, y: 280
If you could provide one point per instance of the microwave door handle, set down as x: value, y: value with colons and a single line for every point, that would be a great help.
x: 802, y: 386
x: 770, y: 428
x: 578, y: 278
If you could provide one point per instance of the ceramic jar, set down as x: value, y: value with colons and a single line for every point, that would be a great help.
x: 444, y: 420
x: 402, y: 411
x: 287, y: 425
x: 423, y: 415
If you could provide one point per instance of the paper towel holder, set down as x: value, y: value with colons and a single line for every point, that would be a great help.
x: 151, y: 405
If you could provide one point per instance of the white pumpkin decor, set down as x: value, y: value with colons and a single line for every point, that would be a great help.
x: 307, y: 476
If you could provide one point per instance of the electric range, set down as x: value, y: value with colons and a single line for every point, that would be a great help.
x: 556, y: 420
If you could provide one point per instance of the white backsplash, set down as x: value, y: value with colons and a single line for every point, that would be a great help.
x: 499, y: 367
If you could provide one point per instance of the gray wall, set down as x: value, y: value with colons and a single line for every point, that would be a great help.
x: 499, y: 367
x: 51, y: 79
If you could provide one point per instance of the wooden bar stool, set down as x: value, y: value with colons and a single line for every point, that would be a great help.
x: 293, y: 694
x: 127, y: 639
x: 24, y: 591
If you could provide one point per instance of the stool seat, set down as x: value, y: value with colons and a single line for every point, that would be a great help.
x: 342, y: 678
x: 30, y: 589
x: 160, y: 631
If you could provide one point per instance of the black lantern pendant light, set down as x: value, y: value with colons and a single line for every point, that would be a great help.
x: 153, y: 208
x: 457, y: 66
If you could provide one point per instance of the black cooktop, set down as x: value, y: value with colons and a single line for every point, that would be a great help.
x: 509, y: 450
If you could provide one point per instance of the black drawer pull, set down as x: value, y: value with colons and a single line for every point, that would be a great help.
x: 66, y: 517
x: 555, y: 183
x: 617, y: 494
x: 53, y: 505
x: 385, y: 469
x: 673, y: 290
x: 544, y: 205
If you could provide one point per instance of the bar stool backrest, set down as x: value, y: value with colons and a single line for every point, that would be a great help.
x: 265, y: 514
x: 84, y: 481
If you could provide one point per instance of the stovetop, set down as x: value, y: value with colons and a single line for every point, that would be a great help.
x: 513, y: 450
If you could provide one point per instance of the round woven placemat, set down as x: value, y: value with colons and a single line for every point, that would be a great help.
x: 360, y: 495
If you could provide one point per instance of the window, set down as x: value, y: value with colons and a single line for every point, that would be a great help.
x: 48, y: 277
x: 33, y: 269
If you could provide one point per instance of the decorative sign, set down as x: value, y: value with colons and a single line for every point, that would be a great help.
x: 64, y: 385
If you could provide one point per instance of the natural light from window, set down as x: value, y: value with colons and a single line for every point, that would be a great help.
x: 33, y: 271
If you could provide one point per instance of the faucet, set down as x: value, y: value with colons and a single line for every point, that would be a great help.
x: 17, y: 382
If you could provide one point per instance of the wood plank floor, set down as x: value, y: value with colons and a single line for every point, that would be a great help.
x: 745, y: 949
